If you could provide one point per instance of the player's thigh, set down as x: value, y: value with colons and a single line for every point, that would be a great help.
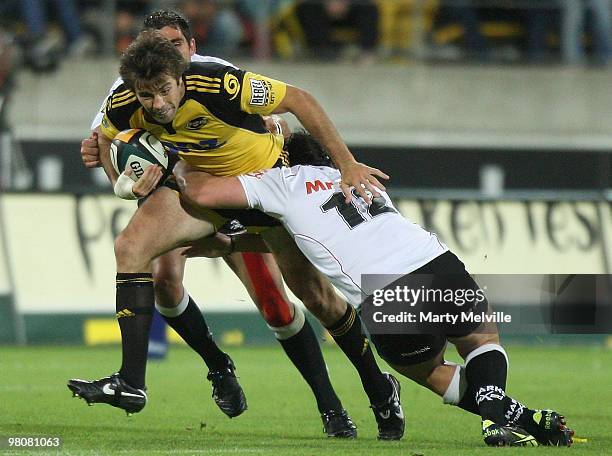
x: 159, y: 225
x: 259, y: 273
x: 302, y: 278
x: 408, y: 350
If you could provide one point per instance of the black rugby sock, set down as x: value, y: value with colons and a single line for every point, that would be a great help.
x: 304, y: 351
x: 348, y: 334
x: 468, y: 402
x: 514, y: 411
x: 519, y: 414
x: 134, y: 304
x: 191, y: 326
x: 486, y: 379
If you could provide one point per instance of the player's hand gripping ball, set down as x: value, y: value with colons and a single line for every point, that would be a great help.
x: 137, y: 149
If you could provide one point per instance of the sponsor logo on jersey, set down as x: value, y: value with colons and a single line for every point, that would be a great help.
x: 197, y: 123
x: 231, y: 85
x: 318, y: 185
x: 186, y: 147
x: 259, y: 92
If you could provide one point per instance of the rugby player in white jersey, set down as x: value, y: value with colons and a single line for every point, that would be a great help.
x: 257, y: 271
x: 345, y: 241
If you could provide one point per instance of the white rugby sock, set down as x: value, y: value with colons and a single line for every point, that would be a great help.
x: 173, y: 312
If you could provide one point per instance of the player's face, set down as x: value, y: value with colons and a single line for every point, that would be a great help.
x: 161, y: 98
x: 187, y: 49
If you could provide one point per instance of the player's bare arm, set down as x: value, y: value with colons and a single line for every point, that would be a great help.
x: 312, y: 116
x: 201, y: 189
x: 103, y: 145
x: 219, y: 245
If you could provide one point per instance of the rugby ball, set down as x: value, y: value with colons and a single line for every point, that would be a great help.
x: 137, y: 149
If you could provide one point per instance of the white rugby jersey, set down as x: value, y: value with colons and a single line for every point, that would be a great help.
x: 342, y: 240
x: 194, y: 58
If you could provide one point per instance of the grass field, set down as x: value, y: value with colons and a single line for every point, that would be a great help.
x: 282, y: 419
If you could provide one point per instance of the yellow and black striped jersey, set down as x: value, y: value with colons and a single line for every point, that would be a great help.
x: 217, y: 127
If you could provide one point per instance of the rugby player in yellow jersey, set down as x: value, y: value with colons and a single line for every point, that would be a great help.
x: 257, y: 271
x: 207, y: 115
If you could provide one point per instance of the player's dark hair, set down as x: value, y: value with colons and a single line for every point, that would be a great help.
x: 159, y: 19
x: 149, y: 58
x: 303, y: 149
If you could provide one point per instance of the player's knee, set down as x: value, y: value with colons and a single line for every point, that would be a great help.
x: 168, y: 290
x: 126, y: 248
x: 128, y: 251
x: 418, y: 373
x: 325, y: 305
x: 314, y: 298
x: 466, y: 345
x: 290, y: 329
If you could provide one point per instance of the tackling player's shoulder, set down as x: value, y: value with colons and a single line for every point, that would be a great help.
x: 209, y: 58
x: 309, y: 172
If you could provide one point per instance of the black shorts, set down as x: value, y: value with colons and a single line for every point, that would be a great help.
x: 410, y: 349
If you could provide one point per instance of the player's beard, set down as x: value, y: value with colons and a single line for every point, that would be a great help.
x: 165, y: 115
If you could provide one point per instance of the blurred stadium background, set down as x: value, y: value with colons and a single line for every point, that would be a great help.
x: 491, y: 116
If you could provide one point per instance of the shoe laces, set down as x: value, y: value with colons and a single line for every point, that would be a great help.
x: 342, y: 415
x: 330, y: 414
x: 217, y: 375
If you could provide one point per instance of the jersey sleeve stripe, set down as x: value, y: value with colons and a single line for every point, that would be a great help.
x: 123, y: 103
x: 127, y: 93
x: 204, y: 78
x: 117, y: 99
x: 120, y: 94
x: 284, y: 157
x: 202, y: 89
x: 205, y: 84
